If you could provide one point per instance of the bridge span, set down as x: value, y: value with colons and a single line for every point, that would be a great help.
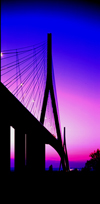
x: 14, y: 114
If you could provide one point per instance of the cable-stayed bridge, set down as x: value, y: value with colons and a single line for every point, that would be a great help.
x: 29, y: 104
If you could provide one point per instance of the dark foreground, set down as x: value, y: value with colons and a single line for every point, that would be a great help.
x: 50, y: 175
x: 48, y: 183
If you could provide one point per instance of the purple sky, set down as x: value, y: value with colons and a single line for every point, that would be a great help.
x: 75, y: 32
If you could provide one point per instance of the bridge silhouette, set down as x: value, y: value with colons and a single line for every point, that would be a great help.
x: 29, y: 105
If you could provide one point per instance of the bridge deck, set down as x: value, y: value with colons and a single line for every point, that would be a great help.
x: 14, y: 114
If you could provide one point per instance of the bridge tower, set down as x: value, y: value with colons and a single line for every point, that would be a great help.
x: 49, y: 87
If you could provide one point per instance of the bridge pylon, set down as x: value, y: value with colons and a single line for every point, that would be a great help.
x: 49, y: 87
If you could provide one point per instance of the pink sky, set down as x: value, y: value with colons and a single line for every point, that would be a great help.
x: 81, y: 117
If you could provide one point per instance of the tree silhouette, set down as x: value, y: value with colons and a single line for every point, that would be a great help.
x: 93, y: 163
x: 50, y: 168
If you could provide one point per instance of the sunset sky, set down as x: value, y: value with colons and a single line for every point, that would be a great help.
x: 75, y: 32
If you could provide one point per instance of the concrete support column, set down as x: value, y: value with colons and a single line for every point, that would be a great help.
x: 5, y: 147
x: 19, y: 150
x: 31, y: 153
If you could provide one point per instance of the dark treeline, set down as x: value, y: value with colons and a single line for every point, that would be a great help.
x: 91, y: 165
x: 94, y: 163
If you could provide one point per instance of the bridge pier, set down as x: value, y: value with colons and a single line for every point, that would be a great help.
x: 36, y: 150
x: 19, y: 150
x: 30, y: 152
x: 5, y: 146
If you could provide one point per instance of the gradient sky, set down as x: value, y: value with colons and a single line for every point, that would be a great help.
x: 75, y: 32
